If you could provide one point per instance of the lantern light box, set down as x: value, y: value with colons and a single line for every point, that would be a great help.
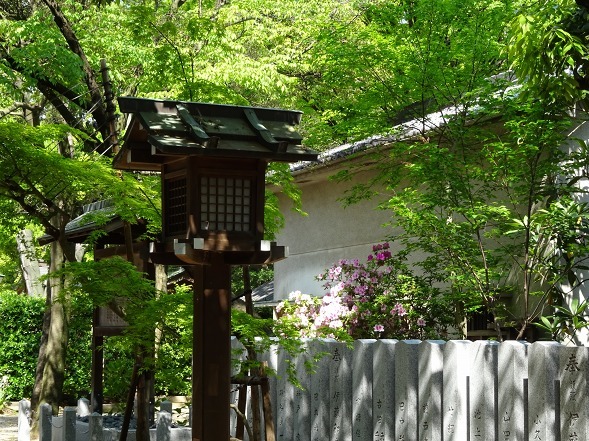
x: 212, y: 159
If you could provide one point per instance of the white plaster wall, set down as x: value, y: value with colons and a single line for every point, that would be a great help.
x: 329, y: 233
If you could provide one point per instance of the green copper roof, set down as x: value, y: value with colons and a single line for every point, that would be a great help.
x: 159, y: 131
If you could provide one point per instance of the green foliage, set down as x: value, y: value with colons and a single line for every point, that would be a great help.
x: 566, y: 321
x: 486, y: 210
x: 79, y: 355
x: 154, y: 318
x: 20, y: 333
x: 389, y: 62
x: 173, y: 365
x: 548, y: 47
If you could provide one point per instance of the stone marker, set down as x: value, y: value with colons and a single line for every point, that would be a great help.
x: 483, y: 389
x: 83, y: 407
x: 163, y: 427
x: 340, y: 388
x: 543, y: 359
x: 362, y: 390
x: 69, y: 424
x: 456, y: 371
x: 284, y: 400
x: 383, y: 390
x: 166, y: 406
x: 237, y: 353
x: 573, y: 393
x: 513, y: 374
x: 431, y: 368
x: 302, y: 397
x: 406, y: 404
x: 319, y: 392
x: 45, y: 422
x: 24, y: 427
x: 95, y: 427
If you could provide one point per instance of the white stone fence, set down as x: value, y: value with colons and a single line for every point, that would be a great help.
x: 67, y: 426
x: 388, y: 390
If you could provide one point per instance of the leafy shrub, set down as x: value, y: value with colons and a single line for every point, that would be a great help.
x: 21, y: 318
x: 79, y: 353
x: 377, y: 299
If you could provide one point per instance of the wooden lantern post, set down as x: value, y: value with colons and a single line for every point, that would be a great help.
x: 212, y: 160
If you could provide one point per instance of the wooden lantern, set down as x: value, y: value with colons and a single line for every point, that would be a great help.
x: 212, y: 159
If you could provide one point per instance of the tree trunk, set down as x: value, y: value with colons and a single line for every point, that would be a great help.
x: 41, y: 358
x: 29, y: 264
x: 54, y: 357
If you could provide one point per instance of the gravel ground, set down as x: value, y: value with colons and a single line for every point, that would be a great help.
x: 8, y: 428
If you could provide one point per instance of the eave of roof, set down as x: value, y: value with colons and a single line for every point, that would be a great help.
x: 163, y: 130
x: 406, y: 131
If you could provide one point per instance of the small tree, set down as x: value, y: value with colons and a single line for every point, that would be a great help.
x: 488, y: 210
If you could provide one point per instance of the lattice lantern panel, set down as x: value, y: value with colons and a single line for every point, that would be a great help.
x: 175, y: 200
x: 226, y: 204
x: 222, y: 203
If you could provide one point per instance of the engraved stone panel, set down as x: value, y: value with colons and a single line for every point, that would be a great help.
x: 573, y: 393
x: 320, y: 395
x: 406, y: 395
x: 285, y: 393
x: 543, y: 358
x: 340, y: 387
x: 483, y: 390
x: 513, y: 372
x: 456, y: 371
x: 431, y: 365
x: 362, y: 390
x: 302, y: 397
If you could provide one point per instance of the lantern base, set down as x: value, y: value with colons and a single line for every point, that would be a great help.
x: 195, y: 252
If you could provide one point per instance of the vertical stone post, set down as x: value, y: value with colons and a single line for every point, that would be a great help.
x: 320, y: 396
x: 383, y: 390
x: 431, y: 365
x: 164, y: 426
x: 284, y: 399
x: 302, y: 397
x: 573, y: 392
x: 271, y: 358
x: 362, y: 377
x: 24, y: 427
x: 340, y: 387
x: 238, y: 353
x: 83, y: 407
x: 456, y: 372
x: 483, y: 390
x: 543, y: 360
x: 513, y: 373
x: 95, y: 426
x: 166, y: 406
x: 69, y: 424
x: 406, y: 398
x: 45, y: 420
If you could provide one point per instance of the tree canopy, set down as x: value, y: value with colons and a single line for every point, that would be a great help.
x: 356, y: 68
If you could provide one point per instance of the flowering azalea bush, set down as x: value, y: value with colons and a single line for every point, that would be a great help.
x: 380, y: 298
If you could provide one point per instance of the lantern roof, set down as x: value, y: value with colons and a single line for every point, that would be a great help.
x: 161, y: 131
